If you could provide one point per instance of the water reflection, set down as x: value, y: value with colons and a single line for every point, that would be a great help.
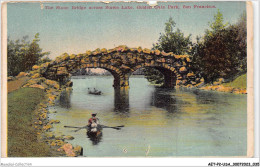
x: 121, y: 100
x: 65, y: 98
x: 162, y: 98
x: 95, y: 139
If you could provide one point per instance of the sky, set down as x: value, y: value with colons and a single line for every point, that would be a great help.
x: 76, y: 31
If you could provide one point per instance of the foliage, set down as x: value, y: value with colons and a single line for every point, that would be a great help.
x: 172, y: 40
x: 216, y: 25
x: 222, y: 52
x: 241, y: 27
x: 44, y: 59
x: 153, y: 76
x: 22, y: 55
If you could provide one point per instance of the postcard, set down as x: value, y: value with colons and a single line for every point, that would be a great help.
x: 127, y: 79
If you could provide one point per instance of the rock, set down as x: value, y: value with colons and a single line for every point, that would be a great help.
x: 68, y: 148
x: 239, y: 91
x: 184, y: 81
x: 164, y: 53
x: 43, y: 105
x: 10, y: 78
x: 225, y: 89
x: 51, y: 97
x: 221, y: 80
x: 161, y: 60
x: 178, y: 82
x: 38, y: 123
x: 191, y: 74
x: 199, y: 85
x: 35, y: 67
x: 183, y: 69
x: 72, y: 57
x: 68, y: 137
x: 139, y: 49
x: 65, y: 56
x: 54, y: 121
x: 125, y: 67
x: 43, y: 110
x: 62, y: 71
x: 104, y: 50
x: 145, y: 50
x: 78, y: 150
x: 193, y: 83
x: 52, y: 84
x: 59, y: 138
x: 37, y: 75
x: 38, y: 81
x: 49, y: 136
x: 188, y: 59
x: 88, y: 53
x: 189, y: 86
x: 157, y: 52
x: 44, y: 65
x: 37, y: 86
x: 57, y: 143
x: 69, y: 84
x: 47, y: 127
x: 22, y: 74
x: 122, y: 48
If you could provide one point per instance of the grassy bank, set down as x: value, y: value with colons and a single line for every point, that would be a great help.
x: 237, y: 86
x: 16, y: 84
x: 22, y: 139
x: 239, y: 82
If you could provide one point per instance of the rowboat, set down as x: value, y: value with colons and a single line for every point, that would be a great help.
x: 95, y: 92
x: 94, y: 134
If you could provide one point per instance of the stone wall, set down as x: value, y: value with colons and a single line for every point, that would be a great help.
x: 121, y: 62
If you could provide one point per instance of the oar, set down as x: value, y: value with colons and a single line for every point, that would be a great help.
x: 113, y: 127
x: 103, y: 126
x: 80, y: 128
x: 72, y: 127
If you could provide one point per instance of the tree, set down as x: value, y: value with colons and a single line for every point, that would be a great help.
x: 172, y: 40
x: 221, y: 52
x: 216, y: 25
x: 241, y: 28
x: 34, y: 54
x: 22, y: 55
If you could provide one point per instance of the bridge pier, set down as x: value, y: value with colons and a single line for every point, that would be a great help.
x: 169, y: 78
x: 121, y: 82
x: 121, y: 99
x: 170, y: 82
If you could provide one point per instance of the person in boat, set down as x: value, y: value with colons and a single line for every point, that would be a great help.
x: 94, y: 126
x: 93, y: 119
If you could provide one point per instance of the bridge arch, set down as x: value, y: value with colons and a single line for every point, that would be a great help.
x: 170, y: 74
x: 117, y: 74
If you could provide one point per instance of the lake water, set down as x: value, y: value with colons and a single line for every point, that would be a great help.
x: 158, y: 122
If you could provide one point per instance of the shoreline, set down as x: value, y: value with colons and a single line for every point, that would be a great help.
x: 222, y: 88
x: 41, y: 125
x: 44, y: 127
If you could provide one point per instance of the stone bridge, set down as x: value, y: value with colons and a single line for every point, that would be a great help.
x: 121, y: 62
